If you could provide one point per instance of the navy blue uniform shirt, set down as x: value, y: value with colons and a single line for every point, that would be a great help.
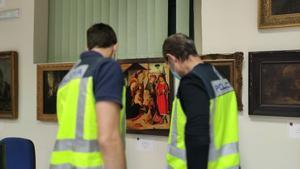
x: 107, y: 75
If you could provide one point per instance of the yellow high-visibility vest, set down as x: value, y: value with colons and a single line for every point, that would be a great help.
x: 76, y: 145
x: 223, y: 148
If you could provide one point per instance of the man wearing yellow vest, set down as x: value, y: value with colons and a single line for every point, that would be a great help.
x: 204, y: 126
x: 91, y: 124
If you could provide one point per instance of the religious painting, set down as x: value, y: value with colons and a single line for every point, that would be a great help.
x: 49, y: 77
x: 149, y: 93
x: 230, y: 67
x: 274, y: 83
x: 279, y: 13
x: 9, y: 84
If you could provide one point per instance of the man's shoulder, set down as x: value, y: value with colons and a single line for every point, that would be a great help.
x: 100, y: 66
x: 108, y: 68
x: 191, y: 78
x: 108, y: 63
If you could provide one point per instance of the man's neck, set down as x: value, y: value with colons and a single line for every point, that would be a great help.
x: 105, y: 52
x: 189, y: 64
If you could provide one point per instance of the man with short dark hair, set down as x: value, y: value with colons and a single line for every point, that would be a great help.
x: 89, y: 102
x: 204, y: 128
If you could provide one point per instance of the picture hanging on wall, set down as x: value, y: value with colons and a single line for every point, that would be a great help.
x: 9, y: 84
x: 149, y: 93
x: 274, y: 83
x: 230, y: 66
x: 278, y: 13
x: 48, y: 78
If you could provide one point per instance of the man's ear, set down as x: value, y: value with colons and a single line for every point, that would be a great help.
x: 114, y: 50
x: 171, y: 57
x: 115, y: 47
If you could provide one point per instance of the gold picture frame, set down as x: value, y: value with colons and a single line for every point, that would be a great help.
x: 230, y: 66
x: 276, y: 14
x: 9, y: 85
x: 48, y: 78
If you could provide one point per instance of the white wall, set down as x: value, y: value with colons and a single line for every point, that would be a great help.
x: 230, y: 26
x: 17, y: 34
x: 198, y: 25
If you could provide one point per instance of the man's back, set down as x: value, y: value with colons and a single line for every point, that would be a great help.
x: 88, y: 108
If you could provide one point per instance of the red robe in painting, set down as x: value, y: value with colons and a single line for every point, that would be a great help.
x: 162, y: 98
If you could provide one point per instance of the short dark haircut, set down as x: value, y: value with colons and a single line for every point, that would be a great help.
x: 179, y: 45
x: 101, y: 35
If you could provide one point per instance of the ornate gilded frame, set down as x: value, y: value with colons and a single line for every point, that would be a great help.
x: 267, y: 20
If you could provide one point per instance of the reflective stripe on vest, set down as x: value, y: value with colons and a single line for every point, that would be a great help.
x: 176, y: 152
x: 226, y: 152
x: 78, y: 145
x: 68, y: 166
x: 75, y: 72
x: 235, y: 167
x: 169, y: 167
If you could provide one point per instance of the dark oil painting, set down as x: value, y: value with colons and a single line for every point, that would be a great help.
x: 225, y: 71
x: 9, y: 84
x: 51, y: 83
x: 274, y: 83
x: 281, y: 84
x: 281, y: 7
x: 5, y: 85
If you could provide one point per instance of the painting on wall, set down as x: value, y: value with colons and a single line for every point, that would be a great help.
x: 274, y: 83
x: 230, y: 67
x: 149, y: 93
x: 279, y: 13
x: 9, y: 84
x: 48, y: 78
